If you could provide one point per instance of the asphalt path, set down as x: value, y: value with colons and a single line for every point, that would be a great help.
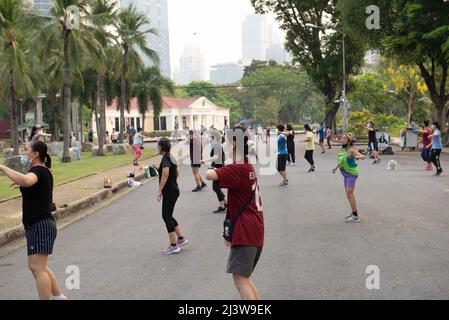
x: 309, y: 253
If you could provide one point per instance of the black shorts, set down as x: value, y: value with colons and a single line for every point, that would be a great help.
x: 41, y: 237
x: 282, y: 162
x: 195, y: 165
x: 373, y: 145
x: 243, y: 260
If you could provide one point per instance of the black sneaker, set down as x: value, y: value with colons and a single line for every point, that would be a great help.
x: 439, y: 173
x: 135, y: 163
x: 197, y: 189
x: 220, y: 210
x: 203, y: 185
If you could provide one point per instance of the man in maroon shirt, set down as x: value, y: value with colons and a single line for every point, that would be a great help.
x: 248, y: 229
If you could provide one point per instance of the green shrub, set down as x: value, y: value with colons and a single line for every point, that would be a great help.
x: 383, y: 122
x: 158, y: 134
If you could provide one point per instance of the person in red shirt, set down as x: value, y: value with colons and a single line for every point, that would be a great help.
x: 248, y: 228
x: 426, y: 141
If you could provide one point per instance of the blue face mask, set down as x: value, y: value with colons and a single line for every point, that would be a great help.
x: 24, y: 161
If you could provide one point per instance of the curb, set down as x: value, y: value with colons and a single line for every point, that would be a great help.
x: 19, y: 231
x: 79, y: 178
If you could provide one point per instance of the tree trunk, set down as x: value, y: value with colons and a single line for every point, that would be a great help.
x: 331, y: 112
x: 122, y: 100
x: 13, y: 107
x: 143, y: 122
x: 102, y: 111
x: 81, y: 120
x: 67, y: 98
x: 410, y: 108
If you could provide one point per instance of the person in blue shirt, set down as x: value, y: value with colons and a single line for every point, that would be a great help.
x: 282, y: 154
x: 322, y: 134
x: 437, y: 146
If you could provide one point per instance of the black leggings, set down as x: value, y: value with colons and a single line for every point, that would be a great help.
x: 309, y: 157
x: 217, y: 190
x: 291, y: 151
x: 435, y: 157
x: 168, y: 206
x: 329, y: 143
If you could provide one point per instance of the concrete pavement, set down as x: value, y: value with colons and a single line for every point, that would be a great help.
x: 310, y: 253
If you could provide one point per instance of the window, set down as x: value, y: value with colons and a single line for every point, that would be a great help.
x: 163, y: 124
x: 226, y: 121
x: 117, y: 124
x: 184, y: 123
x: 132, y: 123
x: 160, y: 124
x: 138, y: 123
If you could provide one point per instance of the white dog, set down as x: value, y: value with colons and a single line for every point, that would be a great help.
x: 392, y: 165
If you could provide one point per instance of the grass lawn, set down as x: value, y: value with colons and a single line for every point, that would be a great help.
x: 63, y: 172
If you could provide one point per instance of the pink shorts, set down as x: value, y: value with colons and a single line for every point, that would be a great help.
x: 138, y: 151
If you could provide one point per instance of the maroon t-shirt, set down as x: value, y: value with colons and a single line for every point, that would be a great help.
x: 241, y: 181
x: 425, y: 137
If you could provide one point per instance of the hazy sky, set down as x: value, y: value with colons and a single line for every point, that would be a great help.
x: 217, y: 24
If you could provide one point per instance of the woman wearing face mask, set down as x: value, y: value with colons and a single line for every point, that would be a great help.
x: 168, y: 192
x: 40, y: 228
x: 348, y: 168
x: 437, y: 146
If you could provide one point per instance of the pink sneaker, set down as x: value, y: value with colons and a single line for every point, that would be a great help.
x: 429, y: 167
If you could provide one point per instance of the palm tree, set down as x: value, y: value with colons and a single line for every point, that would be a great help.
x: 105, y: 15
x: 17, y: 69
x: 147, y: 87
x: 132, y: 37
x: 77, y: 42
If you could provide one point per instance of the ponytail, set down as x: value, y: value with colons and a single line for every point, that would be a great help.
x: 47, y: 161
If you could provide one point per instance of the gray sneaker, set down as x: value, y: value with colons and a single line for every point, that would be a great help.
x: 172, y: 250
x: 283, y: 184
x: 353, y: 219
x: 183, y: 242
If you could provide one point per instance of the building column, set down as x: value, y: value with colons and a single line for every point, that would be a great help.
x: 191, y: 122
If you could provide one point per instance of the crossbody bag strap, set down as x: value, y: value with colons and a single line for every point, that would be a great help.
x: 244, y: 207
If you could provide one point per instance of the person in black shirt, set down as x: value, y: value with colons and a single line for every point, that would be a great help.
x: 291, y: 145
x: 169, y: 192
x: 40, y: 228
x: 372, y: 142
x: 218, y: 158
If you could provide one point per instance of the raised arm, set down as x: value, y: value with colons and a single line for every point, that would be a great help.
x: 18, y: 178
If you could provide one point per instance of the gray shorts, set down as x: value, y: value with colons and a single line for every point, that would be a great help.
x: 243, y: 260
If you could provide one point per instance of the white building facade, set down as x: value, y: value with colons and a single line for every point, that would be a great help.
x: 182, y: 114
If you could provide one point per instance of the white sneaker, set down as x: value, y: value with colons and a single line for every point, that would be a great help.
x: 172, y: 250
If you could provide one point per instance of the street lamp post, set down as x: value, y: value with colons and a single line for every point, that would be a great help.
x: 343, y: 102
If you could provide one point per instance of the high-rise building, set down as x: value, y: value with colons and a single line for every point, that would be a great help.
x: 43, y: 6
x: 254, y: 38
x: 192, y: 66
x: 226, y: 73
x: 157, y: 12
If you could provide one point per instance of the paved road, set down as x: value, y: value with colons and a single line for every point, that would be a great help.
x: 309, y: 253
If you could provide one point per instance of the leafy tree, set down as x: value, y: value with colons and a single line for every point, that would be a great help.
x: 318, y: 51
x: 132, y: 33
x: 18, y: 67
x: 412, y: 31
x: 147, y: 86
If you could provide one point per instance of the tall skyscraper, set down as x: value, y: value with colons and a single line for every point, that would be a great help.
x: 157, y: 12
x: 254, y: 38
x: 192, y: 66
x: 43, y: 6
